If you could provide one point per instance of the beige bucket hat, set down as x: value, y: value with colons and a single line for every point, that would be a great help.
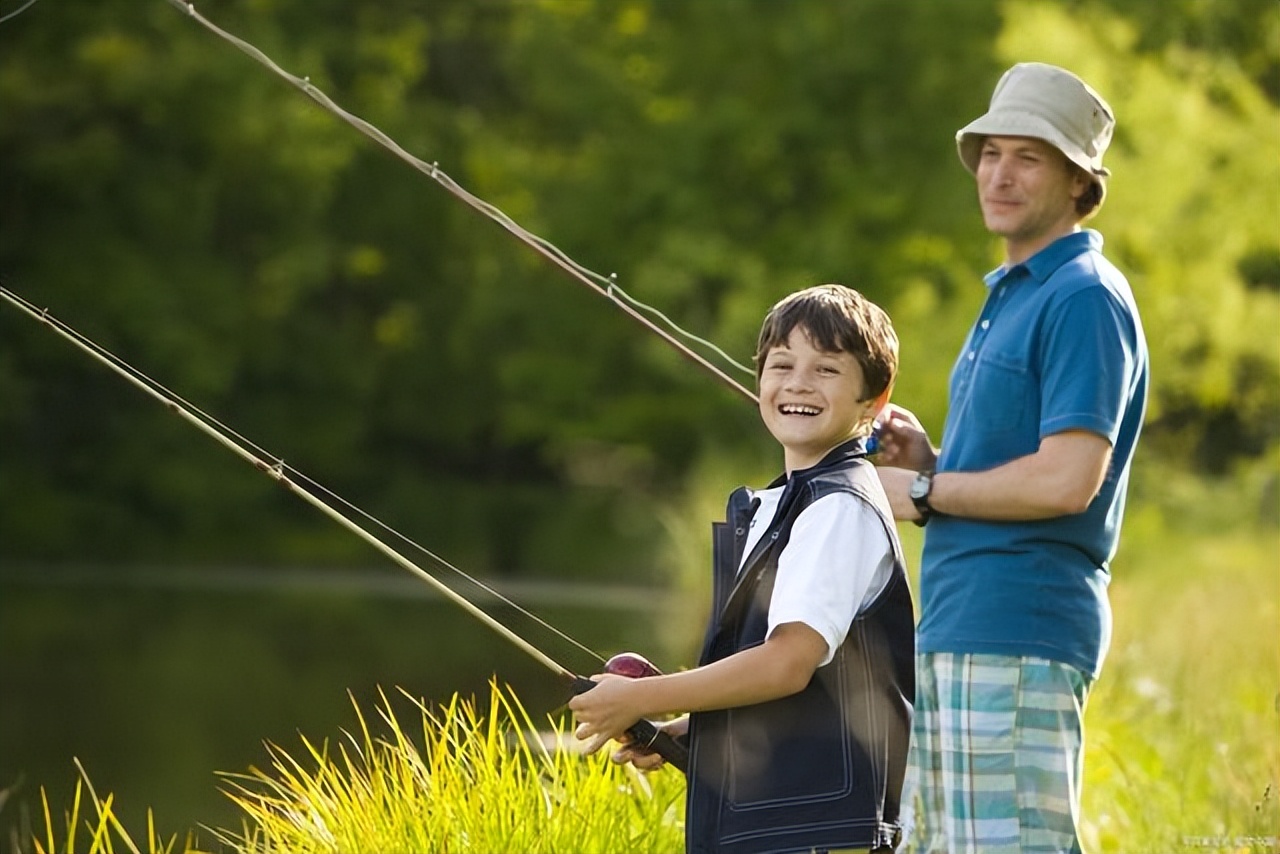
x: 1049, y: 103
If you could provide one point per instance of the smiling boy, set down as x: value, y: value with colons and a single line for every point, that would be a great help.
x: 801, y: 703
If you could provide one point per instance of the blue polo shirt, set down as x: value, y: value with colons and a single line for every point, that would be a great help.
x: 1058, y: 346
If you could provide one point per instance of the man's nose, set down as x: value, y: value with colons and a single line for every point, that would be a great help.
x: 1001, y: 171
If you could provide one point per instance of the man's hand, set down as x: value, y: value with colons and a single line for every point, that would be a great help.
x: 903, y: 443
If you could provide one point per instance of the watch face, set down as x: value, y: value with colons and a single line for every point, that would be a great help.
x: 920, y: 486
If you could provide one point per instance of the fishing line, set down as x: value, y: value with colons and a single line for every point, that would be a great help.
x: 16, y: 12
x: 643, y: 732
x: 606, y: 287
x: 287, y: 474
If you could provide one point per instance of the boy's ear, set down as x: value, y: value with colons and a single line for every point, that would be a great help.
x: 881, y: 401
x: 875, y: 407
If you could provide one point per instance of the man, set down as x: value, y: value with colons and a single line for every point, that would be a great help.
x: 1023, y: 501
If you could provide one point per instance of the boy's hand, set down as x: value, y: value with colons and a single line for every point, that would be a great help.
x: 643, y: 758
x: 607, y: 710
x: 903, y: 442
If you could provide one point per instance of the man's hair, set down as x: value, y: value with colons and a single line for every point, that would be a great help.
x: 836, y: 318
x: 1091, y: 199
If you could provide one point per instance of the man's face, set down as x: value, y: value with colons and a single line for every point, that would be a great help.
x: 1027, y: 190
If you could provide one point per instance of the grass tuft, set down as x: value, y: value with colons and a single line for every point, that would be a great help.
x: 479, y: 782
x: 107, y: 834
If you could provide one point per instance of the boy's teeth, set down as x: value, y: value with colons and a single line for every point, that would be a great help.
x: 796, y: 409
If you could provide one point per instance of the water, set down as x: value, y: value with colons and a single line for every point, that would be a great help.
x: 156, y: 679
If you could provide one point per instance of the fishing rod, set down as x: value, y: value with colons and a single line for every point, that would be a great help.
x: 606, y: 287
x: 643, y: 732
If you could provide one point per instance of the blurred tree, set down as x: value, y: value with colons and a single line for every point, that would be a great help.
x: 1243, y: 33
x: 175, y: 202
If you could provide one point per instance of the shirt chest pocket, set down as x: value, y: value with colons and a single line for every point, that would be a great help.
x: 1005, y: 395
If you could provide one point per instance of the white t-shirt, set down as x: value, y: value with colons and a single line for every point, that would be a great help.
x: 835, y: 564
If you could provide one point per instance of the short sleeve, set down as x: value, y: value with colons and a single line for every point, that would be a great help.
x: 1088, y: 356
x: 837, y: 560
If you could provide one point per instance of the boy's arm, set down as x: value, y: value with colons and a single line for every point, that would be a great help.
x: 781, y: 666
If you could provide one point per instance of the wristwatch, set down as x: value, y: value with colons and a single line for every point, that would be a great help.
x: 919, y: 492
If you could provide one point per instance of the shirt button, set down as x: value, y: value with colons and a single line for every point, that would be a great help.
x: 971, y: 355
x: 986, y: 323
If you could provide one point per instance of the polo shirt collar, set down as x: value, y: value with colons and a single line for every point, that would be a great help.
x: 1042, y: 265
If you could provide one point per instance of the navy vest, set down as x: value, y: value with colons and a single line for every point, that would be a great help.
x: 822, y: 768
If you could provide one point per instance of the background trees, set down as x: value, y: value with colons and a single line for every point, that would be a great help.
x: 161, y: 192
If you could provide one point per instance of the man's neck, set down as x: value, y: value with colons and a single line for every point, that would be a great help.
x: 1017, y: 251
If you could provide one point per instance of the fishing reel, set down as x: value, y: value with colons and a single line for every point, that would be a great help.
x: 632, y: 665
x: 644, y: 734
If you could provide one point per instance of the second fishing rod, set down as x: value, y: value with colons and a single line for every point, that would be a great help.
x: 643, y: 732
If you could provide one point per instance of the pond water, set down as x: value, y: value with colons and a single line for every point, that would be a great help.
x: 156, y: 679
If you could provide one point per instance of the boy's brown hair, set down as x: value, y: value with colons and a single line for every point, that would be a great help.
x: 836, y: 318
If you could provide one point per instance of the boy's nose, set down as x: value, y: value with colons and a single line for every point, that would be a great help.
x: 799, y: 381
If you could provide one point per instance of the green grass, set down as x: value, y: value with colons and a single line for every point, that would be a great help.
x: 91, y: 825
x: 478, y: 782
x: 1183, y: 726
x: 474, y: 783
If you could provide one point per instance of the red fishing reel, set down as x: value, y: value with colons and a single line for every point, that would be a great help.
x: 644, y: 734
x: 632, y: 665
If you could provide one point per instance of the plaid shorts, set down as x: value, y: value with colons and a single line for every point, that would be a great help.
x: 996, y: 755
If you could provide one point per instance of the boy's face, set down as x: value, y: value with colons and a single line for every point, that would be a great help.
x: 812, y: 400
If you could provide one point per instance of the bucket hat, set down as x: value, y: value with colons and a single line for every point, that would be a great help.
x: 1049, y: 103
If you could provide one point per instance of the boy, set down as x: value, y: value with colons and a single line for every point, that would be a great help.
x: 801, y: 703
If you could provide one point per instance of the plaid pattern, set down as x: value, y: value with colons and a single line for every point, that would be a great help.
x: 996, y: 755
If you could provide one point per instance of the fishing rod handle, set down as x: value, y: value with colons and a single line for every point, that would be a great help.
x: 645, y: 734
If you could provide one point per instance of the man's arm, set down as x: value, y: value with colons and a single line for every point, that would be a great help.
x: 779, y: 667
x: 1059, y: 479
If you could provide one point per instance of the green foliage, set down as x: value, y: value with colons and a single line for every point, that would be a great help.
x: 1183, y: 728
x: 175, y: 202
x: 104, y: 830
x: 479, y: 782
x: 1244, y: 31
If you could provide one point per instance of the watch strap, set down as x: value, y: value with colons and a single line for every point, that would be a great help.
x: 920, y: 497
